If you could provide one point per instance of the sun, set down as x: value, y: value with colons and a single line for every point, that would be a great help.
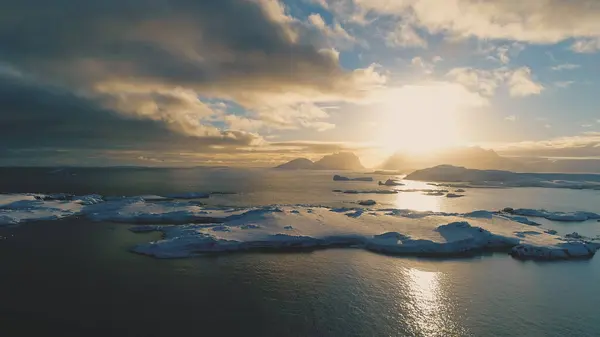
x: 421, y: 118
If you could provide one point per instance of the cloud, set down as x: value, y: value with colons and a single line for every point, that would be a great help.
x: 535, y: 21
x: 565, y: 66
x: 587, y: 125
x: 316, y: 147
x: 335, y: 33
x: 501, y: 53
x: 518, y: 81
x: 243, y: 123
x: 511, y: 118
x: 422, y: 64
x: 146, y: 72
x: 521, y: 84
x: 404, y: 35
x: 586, y: 45
x: 563, y: 84
x: 584, y: 145
x: 484, y: 81
x: 34, y: 114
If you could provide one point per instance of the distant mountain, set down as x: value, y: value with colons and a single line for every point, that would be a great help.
x: 336, y: 161
x: 298, y: 164
x: 471, y: 157
x: 340, y: 161
x: 449, y: 173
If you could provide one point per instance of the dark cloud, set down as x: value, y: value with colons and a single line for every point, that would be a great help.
x: 197, y: 43
x: 38, y: 115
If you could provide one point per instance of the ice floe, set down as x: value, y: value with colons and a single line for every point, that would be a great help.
x: 342, y: 178
x: 391, y: 182
x: 416, y: 233
x: 555, y: 216
x: 366, y: 191
x: 134, y: 210
x: 424, y: 190
x: 435, y: 194
x: 17, y: 208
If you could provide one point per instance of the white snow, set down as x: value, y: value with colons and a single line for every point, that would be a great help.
x: 556, y: 216
x: 383, y: 231
x: 6, y: 199
x: 138, y: 210
x: 17, y: 208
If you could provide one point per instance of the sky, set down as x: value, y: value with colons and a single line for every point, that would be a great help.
x: 259, y: 82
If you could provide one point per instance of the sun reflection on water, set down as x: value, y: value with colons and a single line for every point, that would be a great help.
x: 424, y: 287
x: 430, y: 312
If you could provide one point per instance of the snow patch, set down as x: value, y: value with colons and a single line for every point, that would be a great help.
x: 555, y: 216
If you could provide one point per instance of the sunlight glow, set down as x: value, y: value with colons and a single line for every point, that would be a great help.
x: 421, y: 118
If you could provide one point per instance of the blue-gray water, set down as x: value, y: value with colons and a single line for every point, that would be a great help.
x: 76, y: 278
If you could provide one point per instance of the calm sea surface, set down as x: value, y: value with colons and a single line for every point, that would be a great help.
x: 77, y: 278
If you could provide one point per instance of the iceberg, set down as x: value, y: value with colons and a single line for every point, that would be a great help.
x: 554, y: 216
x: 391, y: 182
x: 366, y: 191
x: 561, y: 251
x: 17, y: 208
x: 454, y: 195
x: 424, y: 190
x: 436, y: 193
x: 369, y: 202
x: 342, y: 178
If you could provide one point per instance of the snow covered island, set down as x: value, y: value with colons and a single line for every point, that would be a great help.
x: 451, y: 175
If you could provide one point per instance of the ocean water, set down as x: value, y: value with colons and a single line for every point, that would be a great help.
x: 76, y: 278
